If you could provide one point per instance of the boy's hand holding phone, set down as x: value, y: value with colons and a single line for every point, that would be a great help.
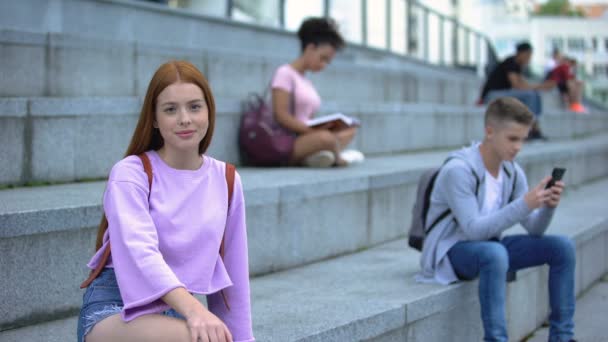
x: 547, y: 192
x: 556, y: 186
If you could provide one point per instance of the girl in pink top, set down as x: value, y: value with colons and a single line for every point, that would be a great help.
x: 165, y: 239
x: 322, y: 146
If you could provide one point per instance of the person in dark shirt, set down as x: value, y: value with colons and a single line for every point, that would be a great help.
x: 507, y: 80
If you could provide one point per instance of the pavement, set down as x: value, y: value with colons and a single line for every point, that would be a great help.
x: 591, y: 317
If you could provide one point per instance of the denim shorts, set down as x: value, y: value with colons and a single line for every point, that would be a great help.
x: 101, y: 300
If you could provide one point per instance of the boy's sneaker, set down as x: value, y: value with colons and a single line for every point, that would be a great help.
x: 352, y: 156
x: 321, y: 159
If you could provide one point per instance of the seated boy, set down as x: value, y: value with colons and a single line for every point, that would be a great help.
x: 487, y: 193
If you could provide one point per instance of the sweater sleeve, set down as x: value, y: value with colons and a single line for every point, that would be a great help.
x: 537, y: 222
x: 458, y: 184
x: 236, y: 261
x: 142, y: 274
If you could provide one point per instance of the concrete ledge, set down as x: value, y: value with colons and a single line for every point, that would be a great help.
x: 60, y: 64
x: 61, y: 143
x: 364, y: 206
x: 371, y: 295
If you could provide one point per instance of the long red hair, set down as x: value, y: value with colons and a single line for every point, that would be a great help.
x: 146, y: 137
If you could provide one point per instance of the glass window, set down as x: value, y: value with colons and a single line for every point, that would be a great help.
x: 552, y: 43
x: 206, y: 7
x: 397, y: 12
x: 376, y: 23
x: 594, y: 44
x: 576, y: 44
x: 297, y: 10
x: 432, y: 40
x: 347, y: 13
x: 265, y: 12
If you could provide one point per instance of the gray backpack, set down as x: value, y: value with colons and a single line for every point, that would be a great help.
x: 419, y: 228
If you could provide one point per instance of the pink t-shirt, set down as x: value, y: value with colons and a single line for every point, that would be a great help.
x: 307, y: 100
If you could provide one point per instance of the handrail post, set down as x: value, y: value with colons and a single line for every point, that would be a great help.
x: 229, y: 8
x: 364, y: 22
x: 467, y: 49
x: 426, y: 33
x: 478, y: 54
x: 281, y: 14
x: 326, y: 8
x: 455, y: 42
x: 387, y: 14
x: 441, y: 19
x: 408, y: 26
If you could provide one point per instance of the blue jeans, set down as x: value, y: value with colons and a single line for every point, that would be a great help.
x: 101, y: 300
x: 530, y: 98
x: 491, y: 260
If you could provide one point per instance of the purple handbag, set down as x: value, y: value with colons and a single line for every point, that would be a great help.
x: 263, y: 141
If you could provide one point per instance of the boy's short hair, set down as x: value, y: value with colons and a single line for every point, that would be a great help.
x: 523, y: 47
x: 508, y: 109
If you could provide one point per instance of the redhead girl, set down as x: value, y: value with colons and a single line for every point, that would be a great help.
x: 164, y: 238
x: 295, y: 101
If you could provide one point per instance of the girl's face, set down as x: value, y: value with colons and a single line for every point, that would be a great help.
x: 319, y: 56
x: 182, y: 117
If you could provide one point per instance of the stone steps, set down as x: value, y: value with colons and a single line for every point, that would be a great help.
x: 371, y: 295
x: 57, y: 139
x: 53, y: 227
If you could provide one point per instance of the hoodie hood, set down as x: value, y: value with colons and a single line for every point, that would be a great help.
x: 472, y: 156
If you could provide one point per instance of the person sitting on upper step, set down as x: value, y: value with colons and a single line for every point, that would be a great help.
x: 570, y: 88
x: 507, y: 80
x: 322, y: 146
x: 174, y: 225
x: 485, y: 193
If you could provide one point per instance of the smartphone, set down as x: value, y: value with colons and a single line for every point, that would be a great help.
x: 556, y: 175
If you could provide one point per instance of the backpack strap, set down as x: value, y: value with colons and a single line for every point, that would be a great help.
x: 230, y: 174
x: 448, y: 211
x: 106, y: 253
x: 512, y: 196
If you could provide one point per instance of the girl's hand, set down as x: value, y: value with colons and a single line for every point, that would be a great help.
x: 204, y: 326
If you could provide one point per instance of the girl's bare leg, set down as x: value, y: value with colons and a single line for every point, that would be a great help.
x: 152, y: 328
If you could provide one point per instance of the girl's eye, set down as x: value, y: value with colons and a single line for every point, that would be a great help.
x: 196, y: 107
x: 169, y: 110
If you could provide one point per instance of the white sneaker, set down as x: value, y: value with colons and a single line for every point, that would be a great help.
x: 321, y: 159
x: 352, y: 156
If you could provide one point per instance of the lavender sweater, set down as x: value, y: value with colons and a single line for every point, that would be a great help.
x: 173, y: 239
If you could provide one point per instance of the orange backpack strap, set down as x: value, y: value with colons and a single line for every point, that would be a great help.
x: 106, y: 253
x: 230, y: 174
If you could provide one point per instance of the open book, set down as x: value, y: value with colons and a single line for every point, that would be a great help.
x: 338, y: 119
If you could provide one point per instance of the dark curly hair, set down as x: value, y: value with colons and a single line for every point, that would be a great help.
x: 319, y: 31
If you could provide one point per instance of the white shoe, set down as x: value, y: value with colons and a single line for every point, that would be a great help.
x: 321, y: 159
x: 352, y: 156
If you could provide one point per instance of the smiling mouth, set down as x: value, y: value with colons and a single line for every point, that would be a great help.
x: 185, y: 133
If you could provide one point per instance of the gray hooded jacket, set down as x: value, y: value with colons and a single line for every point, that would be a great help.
x: 455, y: 189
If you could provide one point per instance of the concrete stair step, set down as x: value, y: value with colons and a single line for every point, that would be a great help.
x: 54, y: 227
x: 371, y: 295
x: 60, y: 64
x: 57, y: 139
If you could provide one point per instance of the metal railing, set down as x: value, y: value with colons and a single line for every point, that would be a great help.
x: 410, y: 28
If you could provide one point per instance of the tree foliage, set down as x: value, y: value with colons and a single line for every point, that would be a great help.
x: 559, y: 8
